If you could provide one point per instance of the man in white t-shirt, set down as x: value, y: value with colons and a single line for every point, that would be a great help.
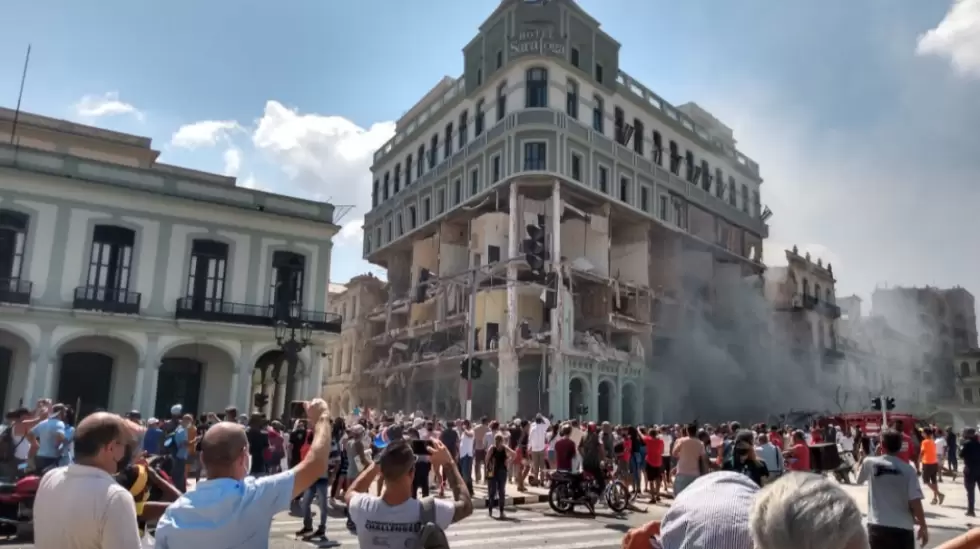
x: 537, y: 440
x: 393, y: 520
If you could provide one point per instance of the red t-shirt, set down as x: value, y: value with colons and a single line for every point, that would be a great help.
x: 776, y: 439
x: 816, y: 436
x: 564, y: 454
x: 905, y: 454
x: 801, y: 453
x: 655, y: 451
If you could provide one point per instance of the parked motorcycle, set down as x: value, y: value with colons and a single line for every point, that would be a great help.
x: 17, y: 503
x: 569, y: 489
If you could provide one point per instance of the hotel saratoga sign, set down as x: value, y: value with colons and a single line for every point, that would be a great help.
x: 537, y: 39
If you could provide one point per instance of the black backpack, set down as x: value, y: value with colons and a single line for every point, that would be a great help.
x: 7, y: 445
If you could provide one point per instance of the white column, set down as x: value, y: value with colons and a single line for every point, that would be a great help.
x: 29, y: 384
x: 152, y: 377
x: 558, y: 330
x: 242, y: 398
x: 139, y: 390
x: 233, y: 390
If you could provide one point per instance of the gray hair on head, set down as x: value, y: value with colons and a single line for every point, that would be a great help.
x: 806, y: 511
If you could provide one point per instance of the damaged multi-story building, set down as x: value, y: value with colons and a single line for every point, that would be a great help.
x: 942, y: 322
x: 560, y: 209
x: 350, y: 354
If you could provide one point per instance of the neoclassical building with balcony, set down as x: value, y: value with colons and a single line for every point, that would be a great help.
x: 126, y: 283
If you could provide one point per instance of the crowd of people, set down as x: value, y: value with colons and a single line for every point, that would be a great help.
x: 254, y: 469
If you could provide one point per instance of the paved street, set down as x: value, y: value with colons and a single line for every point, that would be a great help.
x: 536, y: 526
x: 531, y: 528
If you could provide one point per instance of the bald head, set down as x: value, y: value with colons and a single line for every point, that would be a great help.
x: 97, y: 431
x: 222, y: 445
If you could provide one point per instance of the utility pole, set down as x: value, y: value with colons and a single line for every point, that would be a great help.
x: 558, y: 390
x: 471, y: 343
x: 884, y: 414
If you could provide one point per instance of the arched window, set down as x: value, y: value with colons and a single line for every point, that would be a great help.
x: 806, y: 287
x: 830, y: 296
x: 964, y: 369
x: 816, y: 291
x: 13, y: 240
x: 206, y: 274
x: 571, y: 98
x: 658, y: 148
x: 598, y: 114
x: 536, y: 88
x: 464, y: 128
x: 478, y: 119
x: 501, y: 101
x: 675, y: 158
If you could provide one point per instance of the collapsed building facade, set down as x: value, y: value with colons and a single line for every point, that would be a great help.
x: 552, y: 220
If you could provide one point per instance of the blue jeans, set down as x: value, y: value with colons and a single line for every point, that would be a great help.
x: 178, y: 474
x: 466, y: 471
x: 636, y: 465
x: 319, y: 489
x: 497, y: 489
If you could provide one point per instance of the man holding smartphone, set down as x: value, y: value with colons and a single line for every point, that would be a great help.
x: 391, y: 520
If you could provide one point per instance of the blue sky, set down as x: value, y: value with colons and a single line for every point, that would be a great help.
x: 862, y: 115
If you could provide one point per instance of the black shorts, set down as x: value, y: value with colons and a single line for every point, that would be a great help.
x: 930, y: 473
x: 652, y: 472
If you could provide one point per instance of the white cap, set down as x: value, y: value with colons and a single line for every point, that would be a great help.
x: 176, y: 409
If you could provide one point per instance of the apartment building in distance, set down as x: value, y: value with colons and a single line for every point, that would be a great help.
x: 805, y: 314
x: 127, y: 283
x: 350, y: 354
x: 564, y: 210
x: 941, y: 322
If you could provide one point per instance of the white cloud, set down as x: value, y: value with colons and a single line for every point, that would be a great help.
x: 233, y: 161
x: 325, y: 157
x: 206, y: 133
x: 352, y: 231
x: 107, y: 104
x: 956, y: 37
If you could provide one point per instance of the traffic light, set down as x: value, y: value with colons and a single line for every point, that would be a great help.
x: 876, y: 404
x: 535, y: 251
x: 261, y: 400
x: 890, y: 403
x: 470, y: 368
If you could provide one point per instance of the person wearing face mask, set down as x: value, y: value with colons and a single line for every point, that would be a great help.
x: 82, y: 505
x: 743, y: 459
x: 230, y: 508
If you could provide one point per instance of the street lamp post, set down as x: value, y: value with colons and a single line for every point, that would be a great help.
x: 291, y: 344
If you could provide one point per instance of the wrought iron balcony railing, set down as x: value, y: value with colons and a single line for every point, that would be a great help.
x: 107, y: 300
x: 219, y: 310
x: 16, y: 291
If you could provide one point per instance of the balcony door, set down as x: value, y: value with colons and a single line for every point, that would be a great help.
x: 109, y: 264
x: 85, y: 382
x: 179, y: 383
x: 206, y: 275
x: 287, y: 289
x: 13, y: 238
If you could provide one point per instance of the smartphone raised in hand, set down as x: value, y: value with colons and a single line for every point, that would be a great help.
x: 297, y: 409
x: 421, y: 447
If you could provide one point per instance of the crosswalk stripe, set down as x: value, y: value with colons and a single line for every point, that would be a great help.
x: 338, y: 523
x: 484, y: 530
